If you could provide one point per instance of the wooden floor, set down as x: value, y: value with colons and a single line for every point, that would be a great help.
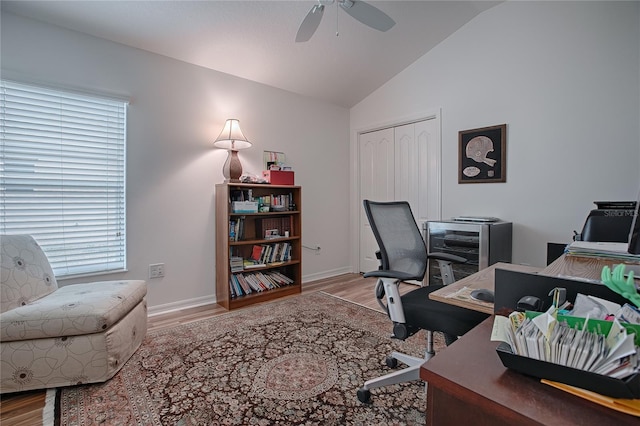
x: 25, y: 408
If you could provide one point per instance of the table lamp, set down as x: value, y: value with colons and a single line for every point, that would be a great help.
x: 231, y: 138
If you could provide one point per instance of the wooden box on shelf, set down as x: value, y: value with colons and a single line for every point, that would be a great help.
x: 258, y: 255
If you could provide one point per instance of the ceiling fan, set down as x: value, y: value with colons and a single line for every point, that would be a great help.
x: 359, y: 10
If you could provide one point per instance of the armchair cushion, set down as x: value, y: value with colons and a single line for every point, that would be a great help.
x: 73, y: 310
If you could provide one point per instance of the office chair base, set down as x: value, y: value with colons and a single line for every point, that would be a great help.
x: 412, y: 372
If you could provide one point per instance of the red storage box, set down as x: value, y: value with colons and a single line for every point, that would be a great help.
x: 279, y: 177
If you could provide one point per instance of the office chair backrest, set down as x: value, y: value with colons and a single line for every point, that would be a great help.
x: 610, y: 222
x: 613, y: 229
x: 399, y: 239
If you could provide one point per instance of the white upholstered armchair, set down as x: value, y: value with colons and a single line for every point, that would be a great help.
x: 58, y: 336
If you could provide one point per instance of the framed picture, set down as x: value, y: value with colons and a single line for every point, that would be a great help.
x: 482, y: 155
x: 274, y: 160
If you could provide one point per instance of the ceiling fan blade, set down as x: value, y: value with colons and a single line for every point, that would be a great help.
x: 310, y: 23
x: 368, y: 15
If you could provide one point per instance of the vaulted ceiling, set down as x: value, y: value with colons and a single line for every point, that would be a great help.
x: 342, y: 63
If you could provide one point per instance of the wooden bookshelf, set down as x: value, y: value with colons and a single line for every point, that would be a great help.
x: 238, y: 233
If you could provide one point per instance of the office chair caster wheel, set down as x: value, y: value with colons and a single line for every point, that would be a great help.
x: 364, y: 395
x: 391, y: 362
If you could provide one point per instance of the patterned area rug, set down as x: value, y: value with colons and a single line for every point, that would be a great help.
x: 295, y: 361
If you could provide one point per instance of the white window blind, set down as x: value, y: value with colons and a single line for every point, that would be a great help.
x: 62, y: 176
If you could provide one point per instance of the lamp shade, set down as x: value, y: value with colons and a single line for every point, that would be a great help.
x: 231, y: 137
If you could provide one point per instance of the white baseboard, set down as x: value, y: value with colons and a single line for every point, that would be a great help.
x: 183, y: 304
x: 210, y: 300
x: 327, y: 274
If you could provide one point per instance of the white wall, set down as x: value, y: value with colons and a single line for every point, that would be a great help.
x: 564, y: 76
x: 176, y: 111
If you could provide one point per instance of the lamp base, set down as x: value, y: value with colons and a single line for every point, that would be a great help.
x: 232, y: 169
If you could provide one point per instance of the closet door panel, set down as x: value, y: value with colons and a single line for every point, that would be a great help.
x: 376, y: 151
x: 428, y: 148
x: 407, y: 163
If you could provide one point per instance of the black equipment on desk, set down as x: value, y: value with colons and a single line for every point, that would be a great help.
x: 609, y: 222
x: 511, y: 286
x: 481, y: 241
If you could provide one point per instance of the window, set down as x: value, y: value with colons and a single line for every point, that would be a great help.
x: 62, y: 176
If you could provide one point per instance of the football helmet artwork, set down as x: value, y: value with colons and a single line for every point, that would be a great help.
x: 478, y: 148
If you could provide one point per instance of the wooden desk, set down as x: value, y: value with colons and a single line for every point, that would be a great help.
x: 454, y: 294
x: 469, y: 385
x: 565, y: 266
x: 579, y: 267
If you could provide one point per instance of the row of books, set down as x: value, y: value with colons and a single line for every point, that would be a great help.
x: 271, y: 253
x: 266, y: 200
x: 236, y: 228
x: 241, y: 284
x: 284, y: 200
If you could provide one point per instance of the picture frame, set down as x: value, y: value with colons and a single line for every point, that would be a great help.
x: 482, y: 154
x: 274, y: 160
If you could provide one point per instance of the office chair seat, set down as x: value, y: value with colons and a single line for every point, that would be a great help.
x: 429, y: 314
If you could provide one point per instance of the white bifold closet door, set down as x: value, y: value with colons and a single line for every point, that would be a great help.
x: 399, y: 163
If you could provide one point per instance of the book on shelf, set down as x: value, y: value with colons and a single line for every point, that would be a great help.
x: 256, y: 252
x: 250, y: 283
x: 234, y: 287
x: 236, y: 263
x: 245, y: 283
x: 250, y: 264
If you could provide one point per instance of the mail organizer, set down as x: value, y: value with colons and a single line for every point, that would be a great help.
x: 511, y: 286
x: 628, y: 388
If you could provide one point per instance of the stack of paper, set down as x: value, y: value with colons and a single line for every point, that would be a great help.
x: 602, y: 250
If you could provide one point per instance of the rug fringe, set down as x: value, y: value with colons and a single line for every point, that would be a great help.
x: 376, y: 309
x: 48, y: 411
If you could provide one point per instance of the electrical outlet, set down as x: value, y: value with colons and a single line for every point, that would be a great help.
x: 156, y: 270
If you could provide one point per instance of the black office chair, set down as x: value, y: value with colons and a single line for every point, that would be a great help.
x: 403, y: 256
x: 610, y: 222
